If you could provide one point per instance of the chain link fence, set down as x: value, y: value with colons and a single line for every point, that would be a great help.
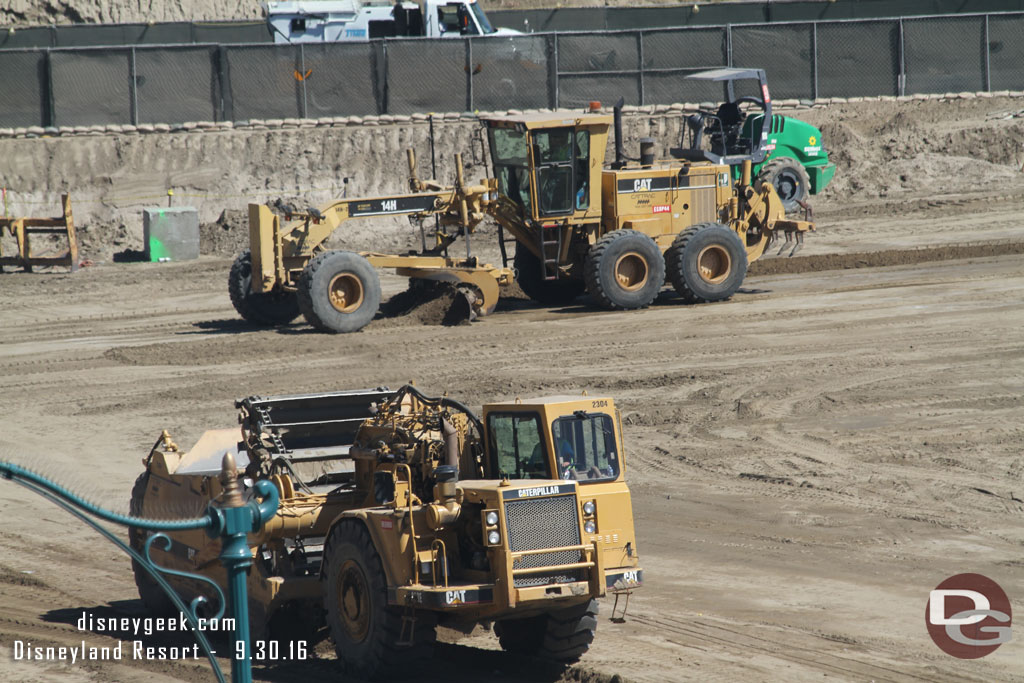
x: 236, y: 82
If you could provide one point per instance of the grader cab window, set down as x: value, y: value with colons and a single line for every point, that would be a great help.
x: 509, y: 155
x: 585, y: 447
x: 517, y: 448
x: 562, y: 158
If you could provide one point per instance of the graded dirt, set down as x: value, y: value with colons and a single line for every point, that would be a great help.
x: 807, y: 460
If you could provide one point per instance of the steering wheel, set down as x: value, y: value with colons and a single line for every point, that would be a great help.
x: 751, y: 99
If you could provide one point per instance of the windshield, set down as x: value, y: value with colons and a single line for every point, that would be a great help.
x: 508, y: 152
x: 586, y: 449
x: 481, y: 18
x: 517, y: 449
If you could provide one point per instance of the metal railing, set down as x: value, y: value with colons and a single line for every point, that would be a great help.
x: 230, y: 518
x: 220, y: 82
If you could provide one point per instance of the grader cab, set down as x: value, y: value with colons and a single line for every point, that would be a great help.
x: 617, y: 232
x: 400, y: 512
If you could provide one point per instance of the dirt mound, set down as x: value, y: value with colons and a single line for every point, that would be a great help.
x: 227, y: 236
x: 876, y: 259
x: 426, y: 303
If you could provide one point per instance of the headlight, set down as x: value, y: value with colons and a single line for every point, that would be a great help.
x: 491, y: 519
x: 589, y: 507
x: 494, y: 538
x: 590, y: 527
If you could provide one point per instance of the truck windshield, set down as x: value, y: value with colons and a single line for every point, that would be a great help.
x: 517, y: 449
x: 481, y: 18
x: 586, y: 448
x: 508, y: 152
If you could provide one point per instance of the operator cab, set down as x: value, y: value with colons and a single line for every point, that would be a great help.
x: 734, y: 133
x: 557, y: 437
x: 547, y: 164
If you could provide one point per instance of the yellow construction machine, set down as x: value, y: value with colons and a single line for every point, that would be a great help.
x: 401, y: 512
x: 616, y: 232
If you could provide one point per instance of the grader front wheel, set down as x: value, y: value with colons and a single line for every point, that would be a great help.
x: 706, y: 262
x: 268, y: 309
x: 339, y: 291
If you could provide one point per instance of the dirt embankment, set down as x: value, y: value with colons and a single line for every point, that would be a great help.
x: 937, y: 157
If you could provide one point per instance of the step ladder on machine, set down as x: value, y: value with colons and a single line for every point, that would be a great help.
x: 550, y: 250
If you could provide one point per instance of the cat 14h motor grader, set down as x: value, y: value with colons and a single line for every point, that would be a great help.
x: 399, y: 512
x: 616, y: 232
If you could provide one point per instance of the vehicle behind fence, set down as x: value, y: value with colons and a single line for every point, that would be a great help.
x: 234, y: 82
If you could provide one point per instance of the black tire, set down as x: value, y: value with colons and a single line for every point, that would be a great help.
x: 365, y: 629
x: 624, y: 270
x: 153, y: 596
x: 706, y: 262
x: 270, y: 309
x: 790, y: 179
x: 530, y: 277
x: 339, y: 291
x: 561, y: 636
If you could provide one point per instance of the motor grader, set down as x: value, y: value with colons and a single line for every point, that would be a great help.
x: 400, y: 512
x: 616, y: 232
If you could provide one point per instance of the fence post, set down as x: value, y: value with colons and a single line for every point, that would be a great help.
x: 988, y: 58
x: 728, y: 45
x: 225, y: 107
x: 814, y: 60
x: 640, y: 57
x: 381, y: 66
x: 553, y: 94
x: 302, y: 81
x: 469, y: 74
x: 50, y: 115
x: 901, y: 86
x: 134, y: 109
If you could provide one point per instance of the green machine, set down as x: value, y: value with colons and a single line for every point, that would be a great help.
x: 788, y: 153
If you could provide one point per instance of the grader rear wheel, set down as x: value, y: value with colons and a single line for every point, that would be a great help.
x: 706, y: 262
x: 367, y: 633
x: 624, y: 270
x: 339, y: 291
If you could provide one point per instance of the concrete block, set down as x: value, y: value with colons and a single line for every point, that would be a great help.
x: 171, y: 233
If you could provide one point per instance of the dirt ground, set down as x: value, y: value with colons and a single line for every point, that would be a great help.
x: 807, y: 460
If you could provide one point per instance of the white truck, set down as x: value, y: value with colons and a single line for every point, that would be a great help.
x: 327, y: 21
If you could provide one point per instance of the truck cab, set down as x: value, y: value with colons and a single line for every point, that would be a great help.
x: 576, y: 441
x: 328, y: 21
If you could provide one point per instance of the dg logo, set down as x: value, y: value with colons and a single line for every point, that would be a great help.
x: 968, y: 616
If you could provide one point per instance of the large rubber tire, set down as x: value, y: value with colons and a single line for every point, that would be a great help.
x: 561, y: 636
x: 339, y: 291
x: 531, y: 280
x: 624, y: 270
x: 706, y: 262
x: 270, y: 309
x: 153, y: 596
x: 365, y: 630
x: 790, y: 179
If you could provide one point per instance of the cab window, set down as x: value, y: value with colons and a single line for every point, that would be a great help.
x: 455, y: 18
x: 562, y: 156
x: 585, y: 447
x: 508, y: 152
x: 517, y: 448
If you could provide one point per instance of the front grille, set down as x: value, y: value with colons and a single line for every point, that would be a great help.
x: 540, y: 523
